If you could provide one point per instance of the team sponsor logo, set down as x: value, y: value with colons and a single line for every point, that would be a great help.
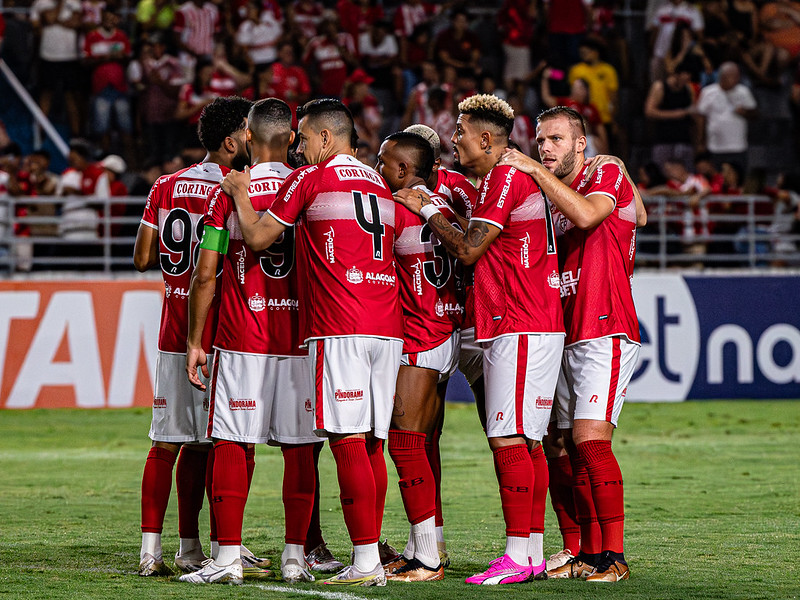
x: 308, y: 405
x: 241, y: 404
x: 544, y: 402
x: 553, y: 280
x: 506, y: 187
x: 380, y: 278
x: 264, y: 186
x: 240, y: 265
x: 354, y: 275
x: 159, y: 402
x: 192, y: 189
x: 417, y: 277
x: 282, y: 304
x: 440, y: 308
x: 329, y: 248
x: 257, y: 302
x: 569, y: 283
x: 618, y: 181
x: 632, y: 249
x: 524, y: 251
x: 167, y: 290
x: 453, y: 309
x: 178, y: 292
x: 352, y: 173
x: 348, y: 395
x: 213, y: 201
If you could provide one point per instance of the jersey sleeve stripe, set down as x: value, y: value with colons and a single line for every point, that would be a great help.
x: 495, y: 223
x: 149, y: 224
x: 279, y: 220
x: 599, y: 193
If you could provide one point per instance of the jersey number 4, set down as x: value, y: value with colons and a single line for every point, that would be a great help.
x: 374, y: 227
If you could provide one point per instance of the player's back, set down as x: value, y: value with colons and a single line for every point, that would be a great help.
x: 175, y: 207
x: 346, y: 233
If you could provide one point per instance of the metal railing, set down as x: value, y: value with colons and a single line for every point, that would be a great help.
x: 744, y: 236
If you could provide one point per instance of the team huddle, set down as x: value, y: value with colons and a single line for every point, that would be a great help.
x: 338, y: 300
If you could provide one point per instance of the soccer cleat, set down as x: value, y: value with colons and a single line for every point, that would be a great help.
x: 387, y: 553
x: 190, y: 562
x: 322, y: 560
x: 214, y: 573
x: 353, y: 577
x: 559, y: 559
x: 398, y: 563
x: 502, y: 570
x: 150, y: 567
x: 293, y: 572
x: 251, y: 560
x: 539, y: 572
x: 444, y: 556
x: 255, y: 572
x: 610, y: 570
x: 415, y: 570
x: 574, y: 568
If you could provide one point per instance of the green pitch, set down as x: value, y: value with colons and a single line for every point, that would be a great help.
x: 712, y: 496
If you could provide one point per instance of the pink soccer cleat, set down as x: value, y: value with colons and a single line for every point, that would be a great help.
x: 502, y: 570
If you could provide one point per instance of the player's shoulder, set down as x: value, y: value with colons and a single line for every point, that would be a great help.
x: 347, y: 170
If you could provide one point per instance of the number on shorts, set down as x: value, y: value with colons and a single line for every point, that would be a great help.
x: 278, y: 259
x: 374, y: 227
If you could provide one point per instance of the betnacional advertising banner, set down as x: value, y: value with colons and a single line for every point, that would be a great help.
x: 92, y: 344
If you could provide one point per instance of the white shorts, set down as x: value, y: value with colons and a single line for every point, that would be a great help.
x: 354, y: 381
x: 256, y: 398
x: 442, y: 358
x: 180, y: 411
x: 520, y: 373
x: 595, y: 377
x: 470, y: 357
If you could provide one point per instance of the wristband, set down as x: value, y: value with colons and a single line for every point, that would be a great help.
x: 427, y: 211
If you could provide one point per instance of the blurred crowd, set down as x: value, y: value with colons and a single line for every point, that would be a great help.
x: 130, y: 79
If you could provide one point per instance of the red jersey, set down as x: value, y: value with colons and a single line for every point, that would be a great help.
x: 196, y: 26
x: 258, y: 311
x: 346, y: 232
x: 431, y: 310
x: 516, y: 280
x: 100, y: 44
x: 597, y: 264
x: 329, y: 60
x: 175, y: 207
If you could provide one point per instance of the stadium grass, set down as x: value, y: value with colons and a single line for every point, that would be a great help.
x: 712, y: 499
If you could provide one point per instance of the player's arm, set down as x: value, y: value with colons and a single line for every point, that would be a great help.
x: 201, y: 294
x: 602, y: 159
x: 259, y: 232
x: 467, y: 247
x: 585, y: 212
x: 145, y: 252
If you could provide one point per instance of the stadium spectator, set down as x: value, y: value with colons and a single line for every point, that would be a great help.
x: 366, y: 110
x: 289, y: 79
x: 58, y: 22
x: 662, y: 27
x: 305, y: 19
x: 379, y: 55
x: 669, y: 107
x: 578, y: 99
x: 517, y: 20
x: 19, y: 44
x: 410, y: 14
x: 417, y: 109
x: 192, y: 99
x: 686, y: 54
x: 357, y: 16
x: 603, y: 83
x: 442, y: 121
x: 722, y: 111
x: 154, y: 16
x: 331, y: 55
x: 258, y: 34
x: 567, y: 23
x: 524, y: 131
x: 197, y: 23
x: 780, y: 24
x: 458, y: 46
x: 786, y: 220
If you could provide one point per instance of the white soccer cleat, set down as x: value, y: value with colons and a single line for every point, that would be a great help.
x: 353, y: 577
x: 559, y: 559
x: 293, y: 572
x: 322, y: 560
x: 149, y: 566
x: 251, y: 560
x: 191, y: 561
x: 214, y: 573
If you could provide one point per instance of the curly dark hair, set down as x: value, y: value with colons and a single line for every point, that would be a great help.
x: 220, y: 119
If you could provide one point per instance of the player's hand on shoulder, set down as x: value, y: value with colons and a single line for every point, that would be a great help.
x: 196, y: 358
x: 236, y: 182
x: 595, y: 162
x: 412, y: 199
x: 518, y: 160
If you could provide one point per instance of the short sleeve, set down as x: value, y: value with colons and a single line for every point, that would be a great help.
x: 495, y: 200
x: 218, y: 208
x: 150, y: 217
x: 292, y: 199
x: 608, y: 181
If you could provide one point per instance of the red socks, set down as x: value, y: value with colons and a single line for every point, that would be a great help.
x: 378, y: 463
x: 314, y: 535
x: 435, y: 461
x: 563, y: 502
x: 299, y: 485
x: 156, y: 484
x: 540, y: 480
x: 515, y: 476
x: 229, y: 488
x: 417, y: 486
x: 585, y: 515
x: 356, y: 489
x: 209, y: 477
x: 607, y: 491
x: 250, y: 462
x: 190, y: 481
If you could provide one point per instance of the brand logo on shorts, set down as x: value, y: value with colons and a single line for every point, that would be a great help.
x: 542, y: 402
x: 241, y: 404
x: 354, y: 275
x: 308, y: 405
x: 440, y: 308
x: 498, y: 416
x: 159, y: 403
x: 348, y: 395
x: 554, y: 280
x: 257, y: 303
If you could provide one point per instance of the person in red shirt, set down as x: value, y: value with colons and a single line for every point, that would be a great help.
x: 511, y: 241
x: 331, y: 54
x: 516, y: 21
x: 168, y: 237
x: 458, y: 46
x: 578, y: 99
x: 595, y: 215
x: 350, y: 306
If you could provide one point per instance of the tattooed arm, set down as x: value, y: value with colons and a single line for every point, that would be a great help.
x: 467, y: 247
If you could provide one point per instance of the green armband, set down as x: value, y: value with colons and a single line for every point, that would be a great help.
x: 214, y: 239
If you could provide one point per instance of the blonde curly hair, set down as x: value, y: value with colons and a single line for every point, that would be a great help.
x: 490, y: 109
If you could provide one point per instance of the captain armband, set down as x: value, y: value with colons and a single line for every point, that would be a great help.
x: 214, y: 239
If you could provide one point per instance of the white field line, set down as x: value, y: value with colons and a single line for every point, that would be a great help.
x: 316, y: 593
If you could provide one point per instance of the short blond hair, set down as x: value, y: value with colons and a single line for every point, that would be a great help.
x: 429, y: 134
x: 490, y: 109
